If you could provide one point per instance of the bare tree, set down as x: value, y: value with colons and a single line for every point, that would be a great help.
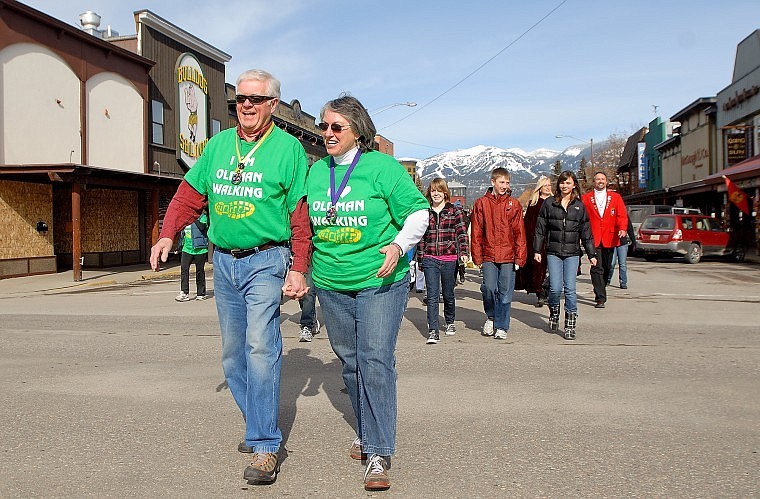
x: 606, y: 159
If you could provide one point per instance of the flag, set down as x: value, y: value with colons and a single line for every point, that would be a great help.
x: 736, y: 196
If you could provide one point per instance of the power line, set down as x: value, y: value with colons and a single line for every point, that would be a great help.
x: 479, y: 67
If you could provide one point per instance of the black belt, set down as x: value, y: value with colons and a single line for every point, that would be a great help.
x: 242, y: 253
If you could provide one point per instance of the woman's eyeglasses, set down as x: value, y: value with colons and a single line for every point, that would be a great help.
x: 335, y: 127
x: 253, y: 99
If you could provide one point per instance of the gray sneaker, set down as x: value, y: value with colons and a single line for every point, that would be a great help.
x: 450, y: 330
x: 432, y: 337
x: 305, y: 335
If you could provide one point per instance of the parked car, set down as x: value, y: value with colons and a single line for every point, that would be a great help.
x: 691, y: 236
x: 638, y: 212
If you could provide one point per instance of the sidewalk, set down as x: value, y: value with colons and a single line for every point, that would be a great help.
x: 64, y: 281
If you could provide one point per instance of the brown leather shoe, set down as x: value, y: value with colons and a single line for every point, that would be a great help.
x: 356, y: 450
x: 263, y: 469
x: 376, y: 475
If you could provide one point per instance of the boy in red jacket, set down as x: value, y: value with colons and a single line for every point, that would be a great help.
x: 498, y: 247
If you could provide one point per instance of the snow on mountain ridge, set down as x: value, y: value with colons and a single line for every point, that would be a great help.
x: 472, y: 166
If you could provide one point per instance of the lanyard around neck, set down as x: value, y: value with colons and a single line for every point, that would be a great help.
x: 335, y: 194
x: 243, y: 161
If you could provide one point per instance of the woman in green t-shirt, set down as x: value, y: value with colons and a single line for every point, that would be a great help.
x: 366, y: 213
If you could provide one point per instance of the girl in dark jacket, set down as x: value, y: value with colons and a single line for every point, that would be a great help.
x: 563, y: 223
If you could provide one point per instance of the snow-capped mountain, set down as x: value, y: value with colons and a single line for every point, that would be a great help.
x: 472, y: 167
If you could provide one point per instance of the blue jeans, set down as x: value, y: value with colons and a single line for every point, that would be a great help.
x: 621, y: 257
x: 308, y: 304
x: 562, y: 274
x: 247, y: 294
x: 497, y: 288
x: 363, y: 329
x: 439, y: 276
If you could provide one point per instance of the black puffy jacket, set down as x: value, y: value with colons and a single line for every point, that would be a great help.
x: 564, y: 230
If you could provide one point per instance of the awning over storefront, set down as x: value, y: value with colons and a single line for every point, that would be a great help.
x: 746, y: 169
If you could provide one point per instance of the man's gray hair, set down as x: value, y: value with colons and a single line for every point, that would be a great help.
x: 273, y: 84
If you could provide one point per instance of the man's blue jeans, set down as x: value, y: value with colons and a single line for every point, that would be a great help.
x: 363, y: 329
x: 247, y: 293
x: 439, y: 276
x: 562, y: 274
x: 497, y: 288
x: 621, y: 257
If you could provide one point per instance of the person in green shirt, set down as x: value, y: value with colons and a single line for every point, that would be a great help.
x: 366, y: 214
x: 252, y: 179
x: 193, y: 250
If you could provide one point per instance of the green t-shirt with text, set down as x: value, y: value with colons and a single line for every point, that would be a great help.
x: 187, y: 239
x: 372, y: 208
x: 257, y: 210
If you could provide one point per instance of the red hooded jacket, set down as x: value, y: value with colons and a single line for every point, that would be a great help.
x: 498, y: 232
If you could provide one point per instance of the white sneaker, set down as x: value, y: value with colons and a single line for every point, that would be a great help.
x: 182, y: 296
x: 316, y: 327
x: 305, y: 334
x: 201, y: 297
x: 500, y: 334
x: 488, y: 328
x: 450, y: 330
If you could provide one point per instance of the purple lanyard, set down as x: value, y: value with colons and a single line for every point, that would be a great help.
x: 335, y: 195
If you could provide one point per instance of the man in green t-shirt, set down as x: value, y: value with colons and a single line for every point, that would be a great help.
x: 253, y: 180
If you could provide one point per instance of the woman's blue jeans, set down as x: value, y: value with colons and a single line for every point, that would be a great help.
x: 363, y: 328
x: 497, y: 289
x: 247, y: 293
x: 562, y: 274
x: 439, y: 276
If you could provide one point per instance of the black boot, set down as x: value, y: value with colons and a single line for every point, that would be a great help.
x: 570, y: 319
x: 553, y: 318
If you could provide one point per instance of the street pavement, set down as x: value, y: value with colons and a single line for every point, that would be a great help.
x: 110, y: 388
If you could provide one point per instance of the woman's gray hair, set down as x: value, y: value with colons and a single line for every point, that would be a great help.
x: 350, y: 108
x: 273, y: 84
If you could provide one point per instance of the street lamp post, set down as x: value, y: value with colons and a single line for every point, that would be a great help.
x: 590, y: 142
x: 385, y: 108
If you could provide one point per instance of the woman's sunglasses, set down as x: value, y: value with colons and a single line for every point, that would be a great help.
x: 253, y: 99
x: 335, y: 127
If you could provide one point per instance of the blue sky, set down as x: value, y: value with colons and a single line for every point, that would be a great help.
x: 589, y: 69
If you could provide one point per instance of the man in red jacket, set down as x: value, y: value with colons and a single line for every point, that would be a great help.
x: 609, y: 222
x: 498, y: 247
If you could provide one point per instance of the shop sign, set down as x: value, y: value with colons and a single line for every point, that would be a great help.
x: 736, y: 147
x: 192, y: 109
x: 695, y: 159
x: 642, y: 160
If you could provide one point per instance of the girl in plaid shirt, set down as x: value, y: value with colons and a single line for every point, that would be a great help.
x: 444, y: 243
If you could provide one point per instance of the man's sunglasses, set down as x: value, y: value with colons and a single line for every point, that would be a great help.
x: 253, y: 99
x: 335, y: 127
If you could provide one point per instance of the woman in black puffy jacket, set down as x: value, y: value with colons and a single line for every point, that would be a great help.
x: 563, y: 223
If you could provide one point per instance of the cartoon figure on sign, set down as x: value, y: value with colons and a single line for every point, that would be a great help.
x: 192, y: 105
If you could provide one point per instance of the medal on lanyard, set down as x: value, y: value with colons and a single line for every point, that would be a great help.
x: 332, y: 213
x: 237, y: 174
